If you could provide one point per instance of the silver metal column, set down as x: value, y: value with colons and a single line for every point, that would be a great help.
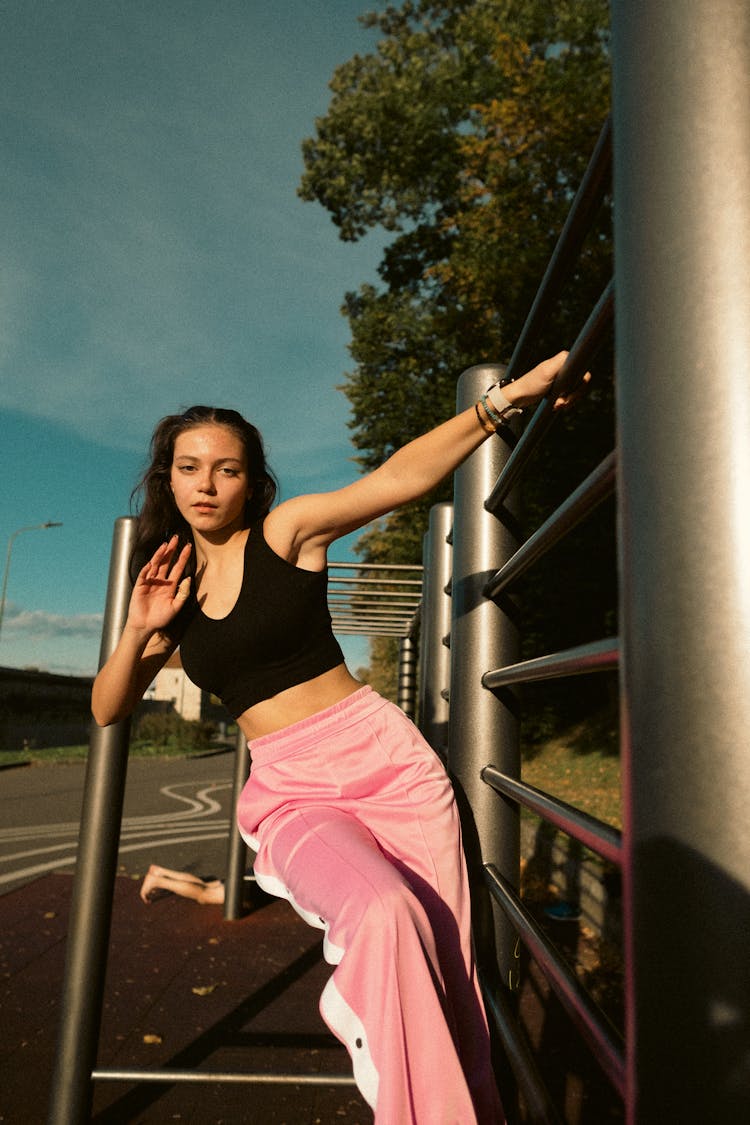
x: 234, y: 886
x: 682, y: 212
x: 96, y: 866
x: 434, y: 652
x: 407, y: 675
x: 483, y: 727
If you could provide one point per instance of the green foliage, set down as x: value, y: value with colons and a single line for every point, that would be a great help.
x: 466, y: 133
x: 581, y: 766
x: 166, y: 730
x: 382, y: 674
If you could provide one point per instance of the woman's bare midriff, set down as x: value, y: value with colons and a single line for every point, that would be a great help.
x: 298, y: 702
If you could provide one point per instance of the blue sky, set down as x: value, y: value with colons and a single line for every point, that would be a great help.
x: 155, y: 255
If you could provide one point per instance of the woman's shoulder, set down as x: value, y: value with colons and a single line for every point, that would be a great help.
x: 284, y: 531
x: 278, y: 530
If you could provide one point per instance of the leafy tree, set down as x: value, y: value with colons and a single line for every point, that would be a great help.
x: 465, y: 134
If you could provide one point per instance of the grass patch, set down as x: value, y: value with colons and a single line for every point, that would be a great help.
x: 63, y: 755
x: 574, y: 768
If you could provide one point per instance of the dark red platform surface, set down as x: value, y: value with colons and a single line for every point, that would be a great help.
x: 212, y: 995
x: 186, y: 989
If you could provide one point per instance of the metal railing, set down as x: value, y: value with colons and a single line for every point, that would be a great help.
x: 381, y: 600
x: 482, y: 559
x: 682, y: 476
x: 374, y: 599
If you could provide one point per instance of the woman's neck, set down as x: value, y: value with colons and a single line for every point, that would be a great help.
x: 215, y: 548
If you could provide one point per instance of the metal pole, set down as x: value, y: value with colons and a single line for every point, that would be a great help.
x: 11, y: 541
x: 93, y: 885
x: 407, y: 675
x: 435, y: 658
x: 483, y: 726
x: 236, y: 846
x: 682, y: 247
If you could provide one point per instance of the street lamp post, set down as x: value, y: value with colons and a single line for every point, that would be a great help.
x: 33, y: 527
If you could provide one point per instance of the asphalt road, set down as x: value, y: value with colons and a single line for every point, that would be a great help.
x: 176, y: 813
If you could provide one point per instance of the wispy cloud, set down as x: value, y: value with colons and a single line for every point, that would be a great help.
x: 34, y: 623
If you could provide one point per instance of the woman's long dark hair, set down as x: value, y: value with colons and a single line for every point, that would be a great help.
x: 158, y: 516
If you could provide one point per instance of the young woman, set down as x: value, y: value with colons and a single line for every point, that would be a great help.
x: 350, y: 812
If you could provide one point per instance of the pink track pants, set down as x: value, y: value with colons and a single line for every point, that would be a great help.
x: 353, y: 820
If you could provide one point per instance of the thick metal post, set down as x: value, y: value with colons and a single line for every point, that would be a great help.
x: 96, y: 866
x: 483, y: 725
x: 682, y: 226
x: 434, y: 652
x: 236, y: 846
x: 407, y: 676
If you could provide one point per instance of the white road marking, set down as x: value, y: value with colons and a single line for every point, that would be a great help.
x: 196, y: 822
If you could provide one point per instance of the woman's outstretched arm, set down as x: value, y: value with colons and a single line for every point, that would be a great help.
x: 302, y: 528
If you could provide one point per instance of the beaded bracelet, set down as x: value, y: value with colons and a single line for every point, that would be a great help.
x: 486, y: 424
x: 490, y: 411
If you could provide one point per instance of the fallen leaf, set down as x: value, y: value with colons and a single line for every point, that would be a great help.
x: 152, y: 1038
x: 203, y: 989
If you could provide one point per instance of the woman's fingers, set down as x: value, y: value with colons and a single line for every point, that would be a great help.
x: 162, y: 566
x: 567, y: 400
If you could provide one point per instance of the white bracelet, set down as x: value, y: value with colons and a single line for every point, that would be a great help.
x: 504, y: 408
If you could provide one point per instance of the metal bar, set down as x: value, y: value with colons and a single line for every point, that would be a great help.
x: 396, y: 628
x: 397, y: 634
x: 374, y: 612
x: 541, y: 1110
x: 599, y: 656
x: 364, y: 596
x: 397, y: 612
x: 401, y: 626
x: 373, y: 631
x: 374, y: 566
x: 236, y: 846
x: 93, y: 885
x: 379, y: 581
x: 682, y: 248
x: 435, y: 660
x: 202, y: 1076
x: 588, y: 200
x: 590, y: 339
x: 595, y: 834
x: 601, y: 1036
x: 483, y: 728
x: 359, y: 601
x: 597, y: 486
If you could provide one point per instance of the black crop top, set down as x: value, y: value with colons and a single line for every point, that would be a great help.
x: 277, y: 634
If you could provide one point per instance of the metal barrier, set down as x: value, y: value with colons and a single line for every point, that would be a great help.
x: 682, y: 469
x: 381, y: 600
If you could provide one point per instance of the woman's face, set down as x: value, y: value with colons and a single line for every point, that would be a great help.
x: 209, y: 479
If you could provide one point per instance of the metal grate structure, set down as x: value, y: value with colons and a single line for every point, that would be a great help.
x: 374, y: 599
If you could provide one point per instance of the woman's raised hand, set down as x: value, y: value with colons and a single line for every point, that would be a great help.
x: 160, y: 589
x: 535, y: 384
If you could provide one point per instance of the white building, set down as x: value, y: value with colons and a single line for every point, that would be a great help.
x: 173, y: 686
